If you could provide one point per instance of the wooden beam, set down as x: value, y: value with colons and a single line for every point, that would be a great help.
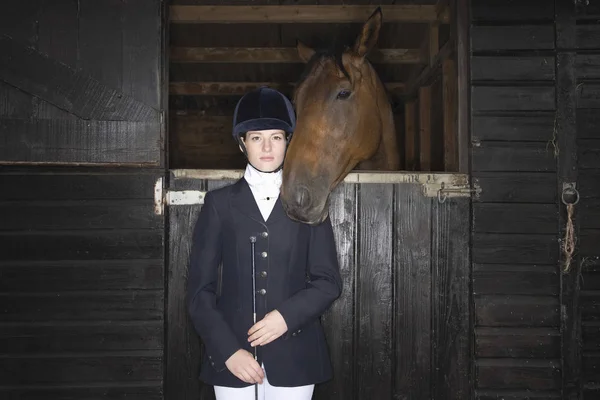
x: 460, y: 31
x: 427, y: 73
x: 410, y: 135
x: 434, y: 41
x: 300, y: 14
x: 278, y: 55
x: 425, y: 128
x: 240, y: 88
x: 66, y: 88
x: 450, y: 100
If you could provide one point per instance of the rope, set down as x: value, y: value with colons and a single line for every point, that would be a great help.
x: 569, y: 240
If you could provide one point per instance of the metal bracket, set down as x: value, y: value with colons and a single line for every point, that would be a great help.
x: 445, y: 190
x: 174, y: 198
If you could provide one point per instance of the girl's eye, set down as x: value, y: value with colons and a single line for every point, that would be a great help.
x: 277, y: 137
x: 255, y: 138
x: 344, y: 94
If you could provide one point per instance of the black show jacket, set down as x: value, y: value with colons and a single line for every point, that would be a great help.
x: 297, y: 273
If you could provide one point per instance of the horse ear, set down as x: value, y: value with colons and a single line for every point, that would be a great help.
x: 369, y: 34
x: 304, y: 51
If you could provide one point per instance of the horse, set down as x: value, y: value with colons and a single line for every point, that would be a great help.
x: 344, y: 121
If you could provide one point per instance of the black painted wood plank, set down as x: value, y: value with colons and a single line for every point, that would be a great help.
x: 81, y: 370
x: 589, y: 242
x: 15, y: 103
x: 21, y: 340
x: 513, y: 156
x: 20, y: 21
x: 512, y: 68
x: 79, y: 141
x: 66, y: 184
x: 591, y: 367
x: 517, y: 343
x: 110, y: 391
x: 512, y: 10
x: 131, y: 305
x: 588, y: 36
x: 494, y: 248
x: 450, y: 301
x: 590, y: 335
x: 69, y: 89
x: 524, y: 37
x: 374, y: 292
x: 516, y: 311
x: 508, y: 394
x: 81, y: 275
x: 515, y: 279
x: 512, y: 98
x: 516, y: 187
x: 58, y: 27
x: 56, y: 216
x: 141, y: 24
x: 183, y: 358
x: 520, y: 374
x: 514, y: 127
x: 81, y: 245
x: 413, y: 321
x: 588, y: 121
x: 515, y: 218
x: 588, y: 95
x: 101, y: 41
x: 591, y: 392
x: 589, y: 154
x: 586, y: 66
x: 338, y: 321
x: 589, y: 183
x: 505, y: 156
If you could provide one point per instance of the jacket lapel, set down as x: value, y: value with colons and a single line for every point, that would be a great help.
x: 243, y: 200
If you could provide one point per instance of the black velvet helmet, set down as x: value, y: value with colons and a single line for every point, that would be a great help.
x: 261, y: 109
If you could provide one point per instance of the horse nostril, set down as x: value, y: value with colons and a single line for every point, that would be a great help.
x: 302, y: 197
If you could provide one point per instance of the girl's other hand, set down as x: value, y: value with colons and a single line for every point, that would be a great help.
x: 267, y: 329
x: 243, y: 365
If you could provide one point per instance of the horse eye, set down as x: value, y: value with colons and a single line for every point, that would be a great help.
x: 344, y: 94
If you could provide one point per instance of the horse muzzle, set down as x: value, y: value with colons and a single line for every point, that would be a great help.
x: 301, y: 205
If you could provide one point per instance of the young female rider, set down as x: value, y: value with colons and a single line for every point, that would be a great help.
x: 259, y: 318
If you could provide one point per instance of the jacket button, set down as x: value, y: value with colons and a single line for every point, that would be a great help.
x: 263, y: 254
x: 263, y: 274
x: 262, y: 291
x: 294, y: 334
x: 265, y: 234
x: 299, y: 330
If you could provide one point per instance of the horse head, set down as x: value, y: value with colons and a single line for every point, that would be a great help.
x: 344, y: 119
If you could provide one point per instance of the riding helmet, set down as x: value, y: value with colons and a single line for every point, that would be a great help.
x: 263, y: 108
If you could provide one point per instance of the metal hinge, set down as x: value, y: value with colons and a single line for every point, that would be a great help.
x: 174, y: 198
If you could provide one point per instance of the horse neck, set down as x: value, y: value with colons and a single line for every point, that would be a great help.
x: 386, y: 156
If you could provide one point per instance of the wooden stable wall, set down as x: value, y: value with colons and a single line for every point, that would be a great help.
x: 219, y: 53
x: 81, y: 250
x: 534, y: 128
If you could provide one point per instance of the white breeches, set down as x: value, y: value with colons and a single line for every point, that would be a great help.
x: 265, y: 392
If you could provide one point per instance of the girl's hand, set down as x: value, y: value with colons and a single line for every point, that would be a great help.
x: 243, y: 365
x: 267, y: 329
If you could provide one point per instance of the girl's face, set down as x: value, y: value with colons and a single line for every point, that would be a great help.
x: 266, y: 149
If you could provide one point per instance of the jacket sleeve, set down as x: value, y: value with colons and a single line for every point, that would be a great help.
x: 218, y: 337
x: 325, y: 284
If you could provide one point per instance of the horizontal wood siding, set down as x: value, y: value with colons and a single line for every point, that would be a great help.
x: 515, y: 220
x: 82, y: 288
x: 401, y: 326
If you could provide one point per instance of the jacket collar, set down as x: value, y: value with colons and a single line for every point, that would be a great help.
x: 243, y: 200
